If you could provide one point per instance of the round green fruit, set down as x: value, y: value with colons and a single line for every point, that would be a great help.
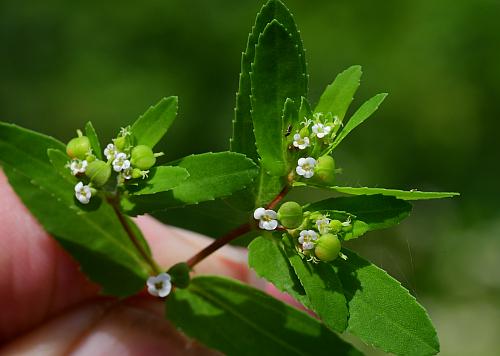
x: 120, y: 143
x: 142, y: 157
x: 327, y: 247
x: 290, y: 215
x: 324, y: 170
x: 99, y: 172
x: 78, y: 147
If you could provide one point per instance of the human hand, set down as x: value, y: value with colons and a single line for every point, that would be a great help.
x: 48, y: 307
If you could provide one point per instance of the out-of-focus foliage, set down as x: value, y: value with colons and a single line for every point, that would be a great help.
x: 64, y: 63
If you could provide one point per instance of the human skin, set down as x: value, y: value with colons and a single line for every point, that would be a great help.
x: 48, y: 307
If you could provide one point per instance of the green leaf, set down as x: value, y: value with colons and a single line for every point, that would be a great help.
x: 211, y: 176
x: 268, y: 258
x: 92, y: 234
x: 59, y: 161
x: 400, y: 194
x: 267, y: 187
x: 239, y: 320
x: 149, y: 128
x: 94, y: 140
x: 382, y: 312
x: 161, y: 179
x: 363, y: 113
x: 243, y: 139
x: 322, y: 287
x: 368, y: 213
x: 338, y: 96
x: 276, y: 75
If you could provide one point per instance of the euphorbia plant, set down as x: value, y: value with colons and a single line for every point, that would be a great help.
x: 84, y: 196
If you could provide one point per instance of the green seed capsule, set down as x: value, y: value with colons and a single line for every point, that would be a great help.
x: 142, y: 157
x: 99, y: 172
x: 290, y: 215
x: 327, y: 247
x: 78, y: 147
x: 324, y: 170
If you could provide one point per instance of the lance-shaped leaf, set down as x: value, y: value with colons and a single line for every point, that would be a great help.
x: 161, y: 179
x: 368, y: 213
x: 304, y: 110
x: 211, y: 176
x: 363, y: 113
x: 276, y: 75
x: 268, y: 258
x: 239, y: 320
x: 400, y: 194
x: 243, y: 139
x: 149, y: 128
x: 382, y: 312
x: 338, y: 96
x: 322, y: 287
x: 94, y: 139
x: 91, y: 233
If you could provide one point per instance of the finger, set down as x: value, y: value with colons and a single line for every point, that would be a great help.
x: 34, y: 271
x: 38, y: 279
x: 108, y: 327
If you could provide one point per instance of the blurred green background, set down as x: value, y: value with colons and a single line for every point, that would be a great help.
x: 65, y: 62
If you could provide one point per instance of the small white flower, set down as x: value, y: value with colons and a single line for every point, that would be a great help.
x: 305, y: 167
x: 321, y: 130
x: 121, y: 162
x: 160, y: 285
x: 82, y: 193
x: 307, y: 238
x: 110, y: 151
x: 76, y: 166
x: 267, y: 218
x: 323, y: 225
x: 299, y: 142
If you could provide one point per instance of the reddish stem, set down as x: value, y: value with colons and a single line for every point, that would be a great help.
x: 214, y: 246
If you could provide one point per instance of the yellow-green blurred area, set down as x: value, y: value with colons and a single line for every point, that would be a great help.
x: 65, y: 62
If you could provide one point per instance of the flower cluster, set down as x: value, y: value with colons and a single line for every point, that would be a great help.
x: 123, y: 159
x: 314, y: 136
x: 317, y: 236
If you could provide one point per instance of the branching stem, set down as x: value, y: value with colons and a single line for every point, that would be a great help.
x: 233, y: 234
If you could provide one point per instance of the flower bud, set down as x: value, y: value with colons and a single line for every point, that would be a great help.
x: 290, y: 215
x: 78, y: 147
x: 335, y: 226
x: 142, y: 157
x: 99, y: 172
x: 324, y: 170
x: 120, y: 143
x: 327, y: 247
